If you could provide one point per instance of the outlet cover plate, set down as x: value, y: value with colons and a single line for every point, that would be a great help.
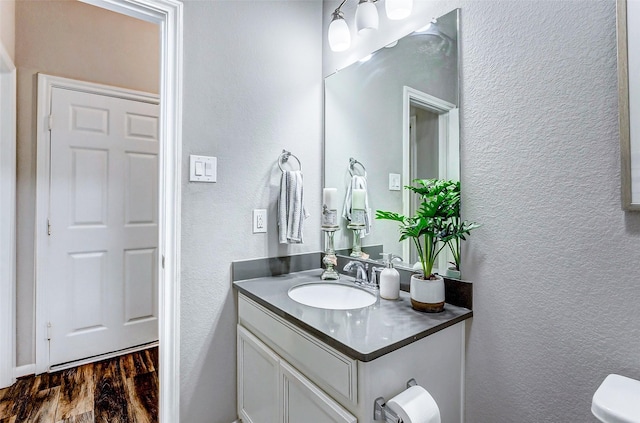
x: 395, y: 182
x: 259, y: 221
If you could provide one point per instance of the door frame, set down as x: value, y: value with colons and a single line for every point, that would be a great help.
x: 448, y: 149
x: 7, y: 219
x: 168, y: 15
x: 46, y: 84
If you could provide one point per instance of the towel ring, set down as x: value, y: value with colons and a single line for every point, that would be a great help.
x: 284, y: 157
x: 352, y: 164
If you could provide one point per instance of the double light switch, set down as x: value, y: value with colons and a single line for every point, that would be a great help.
x: 202, y: 168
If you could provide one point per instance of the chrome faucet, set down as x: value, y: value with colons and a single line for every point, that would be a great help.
x: 361, y: 271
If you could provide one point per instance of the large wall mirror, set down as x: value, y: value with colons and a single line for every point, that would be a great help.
x: 396, y: 115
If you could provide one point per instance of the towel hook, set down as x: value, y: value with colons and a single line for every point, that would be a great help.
x: 352, y: 164
x: 284, y: 157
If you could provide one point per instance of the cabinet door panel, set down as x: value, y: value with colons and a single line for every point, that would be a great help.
x: 331, y: 370
x: 258, y: 377
x: 305, y: 402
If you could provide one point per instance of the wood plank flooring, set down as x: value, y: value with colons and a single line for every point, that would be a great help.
x: 119, y: 390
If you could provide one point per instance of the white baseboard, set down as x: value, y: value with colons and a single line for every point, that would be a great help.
x: 101, y: 357
x: 26, y: 370
x: 30, y: 369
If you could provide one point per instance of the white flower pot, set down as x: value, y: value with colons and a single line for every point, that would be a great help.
x: 426, y: 294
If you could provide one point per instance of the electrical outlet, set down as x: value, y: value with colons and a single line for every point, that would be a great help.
x: 394, y: 181
x: 259, y: 221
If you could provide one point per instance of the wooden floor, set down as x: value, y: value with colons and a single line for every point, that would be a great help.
x: 120, y: 390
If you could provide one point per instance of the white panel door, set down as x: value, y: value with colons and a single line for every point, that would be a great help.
x: 101, y: 277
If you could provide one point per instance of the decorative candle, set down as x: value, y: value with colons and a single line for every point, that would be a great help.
x: 357, y: 206
x: 357, y: 199
x: 330, y: 198
x: 329, y: 207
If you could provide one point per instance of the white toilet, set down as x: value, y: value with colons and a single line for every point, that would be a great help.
x: 617, y: 400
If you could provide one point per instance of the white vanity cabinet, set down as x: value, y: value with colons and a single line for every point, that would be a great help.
x: 287, y: 375
x: 270, y: 390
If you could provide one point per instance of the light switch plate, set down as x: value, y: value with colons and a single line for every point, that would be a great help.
x: 259, y: 221
x: 203, y: 168
x: 395, y: 182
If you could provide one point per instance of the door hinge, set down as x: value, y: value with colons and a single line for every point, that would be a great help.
x: 50, y: 122
x: 48, y: 331
x: 48, y: 227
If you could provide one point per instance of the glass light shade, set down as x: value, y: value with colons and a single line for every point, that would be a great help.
x: 366, y: 16
x: 339, y: 35
x: 398, y: 9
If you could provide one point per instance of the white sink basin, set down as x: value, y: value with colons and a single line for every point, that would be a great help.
x: 331, y: 296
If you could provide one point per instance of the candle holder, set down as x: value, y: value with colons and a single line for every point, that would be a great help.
x: 330, y: 260
x: 356, y: 249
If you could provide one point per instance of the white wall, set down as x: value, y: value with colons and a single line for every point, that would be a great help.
x: 79, y: 41
x: 555, y: 264
x: 253, y: 86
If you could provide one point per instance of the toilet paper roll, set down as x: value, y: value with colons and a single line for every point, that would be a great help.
x: 415, y: 405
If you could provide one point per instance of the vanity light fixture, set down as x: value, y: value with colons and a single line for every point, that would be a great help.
x: 339, y: 34
x: 366, y: 19
x: 398, y: 9
x: 366, y: 16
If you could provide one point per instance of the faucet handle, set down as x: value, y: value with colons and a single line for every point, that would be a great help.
x: 365, y: 272
x: 375, y: 275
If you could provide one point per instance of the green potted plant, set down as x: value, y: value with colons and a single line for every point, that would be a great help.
x: 456, y: 230
x: 426, y: 229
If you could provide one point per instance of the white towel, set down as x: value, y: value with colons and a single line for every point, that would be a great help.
x: 358, y: 182
x: 291, y: 212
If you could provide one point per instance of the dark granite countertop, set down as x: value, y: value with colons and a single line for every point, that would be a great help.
x: 363, y: 334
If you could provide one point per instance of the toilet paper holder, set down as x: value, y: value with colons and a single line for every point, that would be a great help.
x: 380, y: 412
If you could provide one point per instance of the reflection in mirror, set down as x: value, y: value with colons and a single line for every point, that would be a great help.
x: 397, y: 115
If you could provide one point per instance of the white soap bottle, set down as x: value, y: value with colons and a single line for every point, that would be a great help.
x: 389, y: 280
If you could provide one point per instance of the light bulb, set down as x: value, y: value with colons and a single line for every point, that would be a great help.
x: 366, y: 16
x: 339, y: 35
x: 398, y: 9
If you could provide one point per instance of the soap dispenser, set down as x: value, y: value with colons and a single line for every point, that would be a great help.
x: 389, y: 280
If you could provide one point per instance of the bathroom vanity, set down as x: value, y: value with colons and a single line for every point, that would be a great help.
x: 298, y: 363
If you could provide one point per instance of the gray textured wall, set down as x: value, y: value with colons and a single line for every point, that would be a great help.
x: 253, y: 86
x: 555, y: 264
